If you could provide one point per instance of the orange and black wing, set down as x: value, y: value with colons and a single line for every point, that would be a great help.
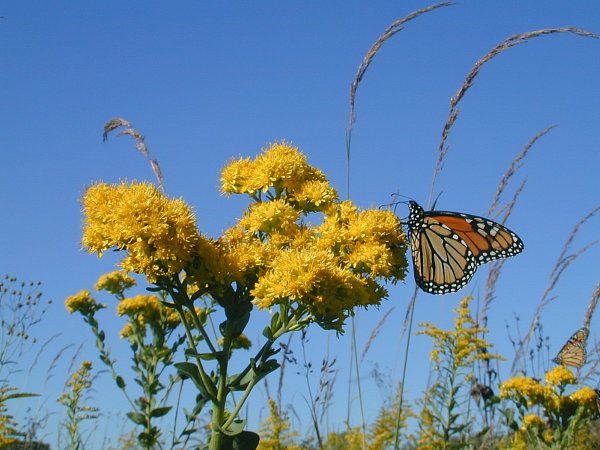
x: 574, y: 352
x: 442, y: 261
x: 447, y: 247
x: 486, y: 239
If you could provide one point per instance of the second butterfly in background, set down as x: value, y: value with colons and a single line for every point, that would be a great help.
x: 447, y: 247
x: 574, y: 352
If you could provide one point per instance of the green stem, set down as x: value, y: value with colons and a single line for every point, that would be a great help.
x: 200, y: 327
x: 206, y: 381
x: 216, y: 436
x: 360, y: 398
x: 238, y: 407
x: 410, y: 323
x: 105, y: 354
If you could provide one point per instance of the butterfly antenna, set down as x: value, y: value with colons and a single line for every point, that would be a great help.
x: 436, y: 200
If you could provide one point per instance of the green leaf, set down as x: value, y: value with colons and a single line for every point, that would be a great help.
x: 137, y: 418
x: 239, y: 385
x: 120, y: 382
x: 238, y: 315
x: 159, y: 412
x: 246, y: 440
x: 268, y: 333
x: 154, y: 289
x: 189, y: 370
x: 18, y: 395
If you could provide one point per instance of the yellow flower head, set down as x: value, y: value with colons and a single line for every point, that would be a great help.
x: 525, y: 388
x: 269, y: 217
x: 127, y: 331
x: 82, y: 302
x: 533, y: 421
x: 158, y: 234
x: 282, y: 170
x: 462, y: 343
x: 144, y: 308
x: 241, y: 341
x: 586, y: 397
x: 370, y: 242
x: 114, y: 282
x: 314, y: 278
x: 314, y: 195
x: 559, y: 376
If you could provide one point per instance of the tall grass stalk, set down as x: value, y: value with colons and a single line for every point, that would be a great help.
x: 494, y: 211
x: 390, y: 31
x: 398, y: 424
x: 358, y: 384
x: 512, y: 41
x: 140, y: 144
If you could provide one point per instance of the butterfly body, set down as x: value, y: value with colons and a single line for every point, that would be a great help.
x: 447, y: 247
x: 574, y: 352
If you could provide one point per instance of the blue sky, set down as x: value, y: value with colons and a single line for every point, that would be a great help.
x: 206, y: 81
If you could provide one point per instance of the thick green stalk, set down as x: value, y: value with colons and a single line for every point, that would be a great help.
x: 216, y: 436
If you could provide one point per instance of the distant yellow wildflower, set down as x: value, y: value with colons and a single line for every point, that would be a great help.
x: 533, y: 420
x: 146, y: 308
x: 115, y: 282
x: 82, y: 302
x: 462, y: 343
x: 524, y: 388
x: 586, y: 397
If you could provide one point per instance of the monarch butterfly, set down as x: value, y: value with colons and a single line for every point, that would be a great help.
x: 447, y: 247
x: 573, y: 352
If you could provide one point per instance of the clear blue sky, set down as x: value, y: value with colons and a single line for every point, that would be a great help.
x: 205, y: 81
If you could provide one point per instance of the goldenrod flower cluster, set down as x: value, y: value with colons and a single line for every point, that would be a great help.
x: 83, y: 302
x: 115, y: 282
x: 273, y: 250
x: 145, y: 310
x: 329, y: 268
x: 462, y: 343
x: 158, y: 233
x: 561, y: 413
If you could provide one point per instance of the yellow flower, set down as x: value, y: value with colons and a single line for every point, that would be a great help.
x: 158, y: 234
x: 234, y: 177
x: 281, y: 167
x: 82, y: 302
x: 314, y: 195
x: 559, y: 376
x: 145, y: 308
x: 532, y: 421
x: 526, y: 388
x: 114, y: 282
x: 267, y: 217
x: 313, y: 277
x: 126, y: 331
x: 586, y: 397
x: 371, y: 242
x: 462, y: 342
x: 241, y: 341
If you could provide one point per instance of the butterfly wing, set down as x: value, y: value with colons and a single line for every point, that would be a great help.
x: 574, y: 352
x: 442, y: 261
x: 447, y: 247
x: 487, y: 240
